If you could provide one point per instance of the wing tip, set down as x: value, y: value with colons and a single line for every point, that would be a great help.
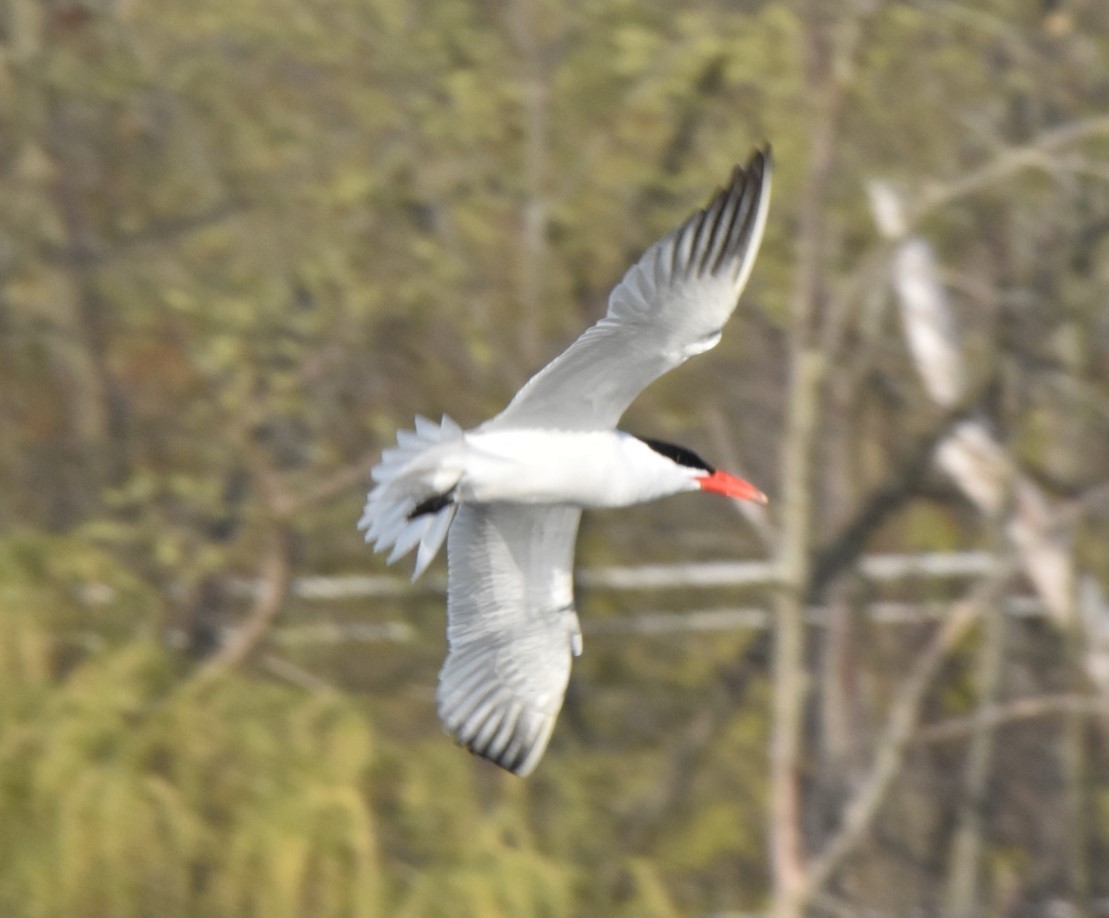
x: 489, y: 719
x: 728, y: 230
x: 760, y: 162
x: 500, y: 731
x: 756, y: 171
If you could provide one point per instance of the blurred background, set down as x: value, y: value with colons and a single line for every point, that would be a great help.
x: 242, y: 243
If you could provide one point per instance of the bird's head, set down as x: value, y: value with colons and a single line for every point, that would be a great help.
x: 704, y: 476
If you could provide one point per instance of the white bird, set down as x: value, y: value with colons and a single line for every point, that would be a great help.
x: 508, y: 494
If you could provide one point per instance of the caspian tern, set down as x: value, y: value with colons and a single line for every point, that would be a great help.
x: 508, y: 494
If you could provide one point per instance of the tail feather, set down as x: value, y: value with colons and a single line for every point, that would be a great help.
x: 433, y: 538
x: 409, y: 475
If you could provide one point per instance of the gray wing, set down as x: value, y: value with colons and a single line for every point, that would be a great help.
x: 671, y: 304
x: 511, y: 628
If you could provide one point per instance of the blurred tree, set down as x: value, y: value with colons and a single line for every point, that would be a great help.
x: 241, y: 243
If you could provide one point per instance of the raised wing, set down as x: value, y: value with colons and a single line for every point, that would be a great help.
x: 511, y: 628
x: 671, y: 304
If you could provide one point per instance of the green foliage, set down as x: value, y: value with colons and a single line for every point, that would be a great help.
x: 493, y: 877
x: 242, y: 799
x: 125, y: 793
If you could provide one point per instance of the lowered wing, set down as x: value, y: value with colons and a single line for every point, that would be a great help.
x: 511, y: 627
x: 670, y: 305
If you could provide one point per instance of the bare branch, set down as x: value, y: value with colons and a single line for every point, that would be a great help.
x: 899, y: 487
x: 296, y: 675
x: 274, y: 587
x: 971, y: 456
x: 533, y: 244
x: 1039, y: 154
x: 832, y: 46
x: 965, y: 858
x: 1007, y: 714
x: 883, y: 568
x: 901, y: 724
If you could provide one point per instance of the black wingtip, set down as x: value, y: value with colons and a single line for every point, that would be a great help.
x: 759, y: 164
x: 725, y: 226
x: 756, y: 169
x: 508, y: 736
x: 480, y: 713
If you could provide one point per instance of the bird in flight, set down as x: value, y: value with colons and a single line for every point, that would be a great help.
x: 507, y: 495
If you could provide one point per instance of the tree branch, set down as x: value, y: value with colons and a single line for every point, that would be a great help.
x: 1039, y: 154
x: 274, y: 581
x: 831, y: 48
x: 1012, y: 712
x: 901, y: 484
x: 904, y: 714
x: 965, y: 857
